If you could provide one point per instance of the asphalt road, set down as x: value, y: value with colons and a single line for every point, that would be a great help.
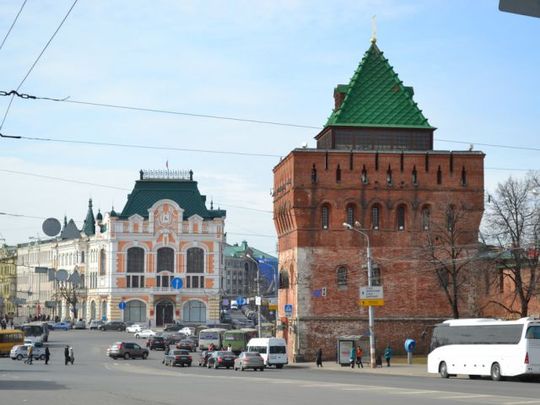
x: 98, y: 380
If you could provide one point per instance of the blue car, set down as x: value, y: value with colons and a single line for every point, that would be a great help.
x: 62, y: 326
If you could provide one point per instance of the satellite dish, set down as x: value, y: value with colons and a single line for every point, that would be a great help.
x: 51, y: 227
x: 61, y: 275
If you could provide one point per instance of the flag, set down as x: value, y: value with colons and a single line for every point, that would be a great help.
x: 167, y: 164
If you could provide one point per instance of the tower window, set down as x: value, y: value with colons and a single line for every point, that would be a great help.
x: 341, y: 276
x: 414, y: 176
x: 426, y: 218
x: 389, y: 176
x: 364, y: 177
x: 338, y: 174
x: 350, y: 214
x: 314, y: 174
x: 325, y: 217
x: 439, y: 175
x: 463, y: 176
x: 375, y: 217
x: 401, y: 217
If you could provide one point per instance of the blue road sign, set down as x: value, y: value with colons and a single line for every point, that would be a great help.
x: 177, y: 283
x: 240, y: 301
x: 122, y: 305
x: 288, y: 309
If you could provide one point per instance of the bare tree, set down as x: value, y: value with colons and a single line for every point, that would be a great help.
x: 450, y: 248
x: 72, y: 292
x: 514, y: 225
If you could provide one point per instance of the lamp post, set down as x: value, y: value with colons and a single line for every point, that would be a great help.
x: 371, y: 316
x: 258, y: 299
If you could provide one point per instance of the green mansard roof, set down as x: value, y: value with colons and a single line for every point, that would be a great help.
x: 375, y: 97
x: 184, y: 192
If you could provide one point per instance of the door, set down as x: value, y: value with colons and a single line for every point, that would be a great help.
x: 164, y: 313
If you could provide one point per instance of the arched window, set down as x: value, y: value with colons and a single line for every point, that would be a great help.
x: 325, y: 216
x: 135, y: 268
x: 426, y: 218
x: 350, y: 214
x: 165, y: 267
x: 283, y: 279
x: 338, y: 174
x: 135, y: 311
x: 103, y: 262
x: 195, y: 266
x: 414, y: 176
x: 450, y: 217
x: 93, y: 310
x: 401, y: 217
x: 389, y: 175
x: 341, y: 275
x: 82, y: 256
x: 375, y: 217
x: 194, y: 311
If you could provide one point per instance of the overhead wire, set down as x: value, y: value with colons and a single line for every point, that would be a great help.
x: 36, y: 61
x: 12, y: 24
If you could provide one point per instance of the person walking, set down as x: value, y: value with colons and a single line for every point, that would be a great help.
x: 318, y: 358
x: 71, y: 355
x: 47, y: 355
x: 388, y: 353
x: 359, y: 354
x: 30, y: 354
x: 352, y: 357
x: 66, y: 355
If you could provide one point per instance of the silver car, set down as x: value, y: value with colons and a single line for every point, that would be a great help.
x: 20, y: 352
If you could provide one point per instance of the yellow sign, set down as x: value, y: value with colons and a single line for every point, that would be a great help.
x: 371, y: 303
x: 272, y: 307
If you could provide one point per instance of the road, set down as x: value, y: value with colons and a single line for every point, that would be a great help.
x: 98, y: 380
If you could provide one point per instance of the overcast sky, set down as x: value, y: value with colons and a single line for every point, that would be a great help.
x: 474, y: 70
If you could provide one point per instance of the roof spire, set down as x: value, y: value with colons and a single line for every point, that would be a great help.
x: 374, y: 29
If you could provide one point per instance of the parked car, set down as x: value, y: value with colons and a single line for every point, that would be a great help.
x: 62, y: 325
x: 144, y: 334
x: 20, y: 352
x: 134, y: 328
x: 177, y: 357
x: 221, y: 359
x: 113, y: 325
x: 203, y: 358
x: 156, y: 343
x: 127, y: 350
x: 187, y: 344
x: 175, y: 327
x: 94, y: 325
x: 173, y: 339
x: 249, y: 360
x: 80, y: 325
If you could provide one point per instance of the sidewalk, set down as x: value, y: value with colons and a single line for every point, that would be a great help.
x: 401, y: 369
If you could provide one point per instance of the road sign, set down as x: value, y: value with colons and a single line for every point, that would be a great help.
x: 371, y: 302
x: 371, y: 293
x: 240, y: 301
x: 288, y: 310
x: 122, y: 305
x: 177, y: 283
x: 258, y: 301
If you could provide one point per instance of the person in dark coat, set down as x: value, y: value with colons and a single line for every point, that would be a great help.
x: 67, y: 359
x: 319, y: 358
x: 388, y: 353
x: 47, y: 355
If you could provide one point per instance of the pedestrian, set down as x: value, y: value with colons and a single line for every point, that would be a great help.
x: 71, y: 355
x: 66, y: 355
x: 352, y: 357
x: 47, y: 355
x: 378, y: 360
x: 359, y: 354
x: 30, y: 354
x: 319, y: 358
x: 229, y: 348
x: 388, y: 353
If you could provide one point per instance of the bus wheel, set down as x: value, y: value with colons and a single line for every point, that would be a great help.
x: 496, y: 372
x: 443, y: 370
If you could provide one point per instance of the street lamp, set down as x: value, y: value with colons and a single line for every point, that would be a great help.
x: 258, y: 299
x: 371, y: 315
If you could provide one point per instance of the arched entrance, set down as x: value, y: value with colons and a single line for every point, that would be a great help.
x: 135, y: 311
x: 164, y: 313
x: 93, y: 310
x: 194, y: 311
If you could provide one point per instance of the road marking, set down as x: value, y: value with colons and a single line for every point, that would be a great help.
x: 471, y: 396
x: 522, y: 402
x: 414, y: 392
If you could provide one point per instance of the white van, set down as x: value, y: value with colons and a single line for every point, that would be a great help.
x: 273, y: 350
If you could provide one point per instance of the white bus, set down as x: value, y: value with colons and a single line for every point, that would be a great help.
x: 211, y: 336
x: 36, y: 331
x: 486, y: 347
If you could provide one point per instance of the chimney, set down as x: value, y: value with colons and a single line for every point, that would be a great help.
x: 339, y: 95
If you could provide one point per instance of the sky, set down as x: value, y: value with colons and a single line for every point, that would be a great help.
x: 474, y: 70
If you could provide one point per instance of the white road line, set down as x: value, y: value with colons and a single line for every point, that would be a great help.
x: 535, y: 401
x: 414, y: 392
x: 467, y: 396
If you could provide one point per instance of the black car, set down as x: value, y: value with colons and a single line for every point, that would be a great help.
x: 157, y: 343
x: 172, y: 340
x: 173, y: 327
x: 221, y: 359
x: 187, y: 344
x: 113, y: 325
x: 203, y: 358
x: 177, y: 358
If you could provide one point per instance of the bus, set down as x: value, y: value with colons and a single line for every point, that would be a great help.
x: 211, y: 336
x: 10, y: 338
x: 36, y: 331
x: 486, y: 347
x: 238, y: 339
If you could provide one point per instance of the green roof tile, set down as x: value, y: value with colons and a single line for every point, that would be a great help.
x: 375, y: 97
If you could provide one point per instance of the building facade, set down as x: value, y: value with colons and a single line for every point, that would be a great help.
x: 8, y: 280
x: 126, y: 262
x: 374, y: 168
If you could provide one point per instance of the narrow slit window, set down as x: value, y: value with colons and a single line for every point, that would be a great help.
x: 325, y: 217
x: 375, y: 217
x: 401, y: 217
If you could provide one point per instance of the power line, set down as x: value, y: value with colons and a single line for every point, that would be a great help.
x: 36, y: 61
x: 8, y: 214
x: 13, y: 24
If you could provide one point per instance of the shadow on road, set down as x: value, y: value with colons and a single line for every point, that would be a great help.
x: 30, y: 385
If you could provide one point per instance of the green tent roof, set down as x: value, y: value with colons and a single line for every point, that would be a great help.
x: 240, y: 250
x: 375, y: 97
x: 184, y: 192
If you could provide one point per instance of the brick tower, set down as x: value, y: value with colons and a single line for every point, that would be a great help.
x: 375, y: 166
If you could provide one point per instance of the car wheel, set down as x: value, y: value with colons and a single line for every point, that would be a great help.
x: 144, y: 356
x: 136, y: 336
x: 242, y: 368
x: 126, y: 356
x: 19, y: 357
x: 443, y: 370
x: 228, y: 367
x: 496, y: 372
x: 236, y: 369
x: 42, y: 357
x: 279, y: 365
